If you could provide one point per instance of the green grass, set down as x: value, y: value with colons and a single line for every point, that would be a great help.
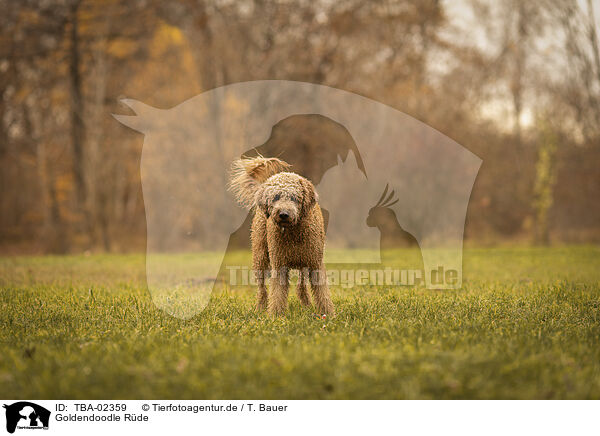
x: 525, y: 325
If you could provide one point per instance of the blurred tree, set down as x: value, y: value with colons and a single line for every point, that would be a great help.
x: 69, y: 174
x: 545, y: 178
x: 579, y: 88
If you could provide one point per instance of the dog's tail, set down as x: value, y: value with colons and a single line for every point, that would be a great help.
x: 249, y: 173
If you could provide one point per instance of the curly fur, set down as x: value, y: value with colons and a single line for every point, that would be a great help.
x: 247, y: 175
x: 287, y: 232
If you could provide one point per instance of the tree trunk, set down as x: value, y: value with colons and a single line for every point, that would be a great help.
x: 77, y: 124
x: 545, y: 179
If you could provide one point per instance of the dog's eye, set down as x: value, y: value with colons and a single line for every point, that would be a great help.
x: 276, y: 197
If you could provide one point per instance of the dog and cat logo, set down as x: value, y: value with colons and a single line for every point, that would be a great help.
x: 25, y: 415
x: 351, y: 148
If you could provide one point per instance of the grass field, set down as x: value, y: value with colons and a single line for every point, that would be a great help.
x: 525, y: 325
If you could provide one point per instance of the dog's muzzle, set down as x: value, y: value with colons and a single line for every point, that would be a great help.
x: 283, y: 218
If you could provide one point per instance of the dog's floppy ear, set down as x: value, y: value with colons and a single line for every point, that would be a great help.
x: 261, y: 200
x: 309, y: 195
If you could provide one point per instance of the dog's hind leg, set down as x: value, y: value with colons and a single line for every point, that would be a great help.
x: 320, y: 291
x: 302, y: 289
x: 279, y: 291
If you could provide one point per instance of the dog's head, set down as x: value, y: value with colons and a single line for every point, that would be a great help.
x: 286, y: 198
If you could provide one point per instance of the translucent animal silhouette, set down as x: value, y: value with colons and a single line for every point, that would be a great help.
x: 188, y: 149
x: 343, y: 192
x: 384, y: 218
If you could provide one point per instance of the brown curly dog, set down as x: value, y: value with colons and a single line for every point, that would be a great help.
x: 287, y: 232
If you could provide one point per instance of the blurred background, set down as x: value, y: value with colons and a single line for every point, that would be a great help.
x: 517, y: 83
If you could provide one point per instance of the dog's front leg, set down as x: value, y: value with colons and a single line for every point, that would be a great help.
x: 279, y: 291
x: 261, y: 296
x: 320, y: 290
x: 301, y: 289
x: 260, y: 258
